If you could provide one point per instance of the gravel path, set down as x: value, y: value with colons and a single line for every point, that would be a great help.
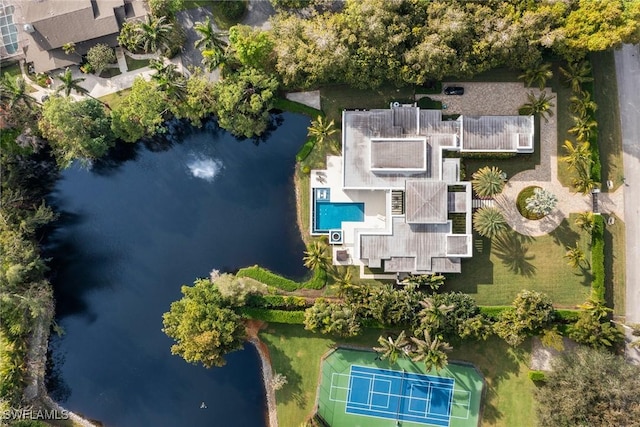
x: 505, y: 99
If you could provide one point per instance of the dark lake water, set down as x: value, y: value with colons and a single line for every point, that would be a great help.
x: 136, y: 228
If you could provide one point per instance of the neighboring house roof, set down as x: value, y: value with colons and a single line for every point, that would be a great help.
x: 55, y: 23
x: 497, y: 133
x: 426, y: 202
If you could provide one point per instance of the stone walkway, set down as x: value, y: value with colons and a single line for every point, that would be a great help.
x: 505, y: 99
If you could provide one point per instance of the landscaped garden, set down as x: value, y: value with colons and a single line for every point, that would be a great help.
x: 296, y: 352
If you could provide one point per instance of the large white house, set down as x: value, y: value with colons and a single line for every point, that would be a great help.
x: 394, y: 201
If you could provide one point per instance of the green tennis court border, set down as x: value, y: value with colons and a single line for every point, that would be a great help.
x: 332, y: 394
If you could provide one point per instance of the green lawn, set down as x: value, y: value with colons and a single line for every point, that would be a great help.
x: 614, y: 265
x: 226, y: 13
x: 296, y: 353
x: 114, y: 99
x: 135, y: 64
x: 500, y: 268
x: 11, y: 70
x: 564, y: 123
x: 605, y: 94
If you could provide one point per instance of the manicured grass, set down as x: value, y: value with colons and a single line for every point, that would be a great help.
x: 296, y: 353
x: 295, y: 107
x: 11, y: 70
x: 114, y: 99
x: 135, y: 64
x: 502, y: 267
x: 605, y: 94
x: 614, y: 264
x: 564, y: 123
x: 110, y: 72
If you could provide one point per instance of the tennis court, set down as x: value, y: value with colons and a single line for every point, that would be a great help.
x: 357, y: 389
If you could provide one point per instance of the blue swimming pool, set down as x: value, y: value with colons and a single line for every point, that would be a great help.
x: 331, y: 215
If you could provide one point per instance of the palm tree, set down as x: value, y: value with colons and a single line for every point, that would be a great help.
x: 575, y: 256
x: 154, y: 35
x: 585, y: 221
x: 583, y: 127
x: 578, y: 155
x: 577, y: 73
x: 210, y: 39
x: 488, y: 181
x: 320, y: 129
x: 433, y: 352
x: 538, y: 105
x: 582, y: 104
x: 390, y: 349
x: 433, y: 316
x: 70, y: 84
x: 596, y: 308
x: 13, y: 90
x: 583, y: 182
x: 489, y: 222
x: 537, y: 75
x: 169, y: 79
x: 316, y: 257
x: 212, y: 59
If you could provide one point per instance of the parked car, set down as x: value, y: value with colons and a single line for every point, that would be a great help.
x: 454, y: 90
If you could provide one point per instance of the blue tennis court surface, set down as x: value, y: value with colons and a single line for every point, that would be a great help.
x: 400, y: 396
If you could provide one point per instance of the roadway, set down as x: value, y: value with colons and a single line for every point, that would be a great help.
x: 628, y: 78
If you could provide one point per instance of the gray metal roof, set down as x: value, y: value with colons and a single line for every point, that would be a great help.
x: 497, y: 133
x: 395, y: 154
x: 359, y: 127
x: 426, y: 202
x: 421, y: 242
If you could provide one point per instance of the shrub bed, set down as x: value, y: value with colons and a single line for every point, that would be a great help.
x: 306, y: 149
x: 487, y: 155
x: 429, y: 104
x: 276, y: 301
x: 275, y: 316
x: 597, y: 259
x: 493, y: 312
x: 521, y: 203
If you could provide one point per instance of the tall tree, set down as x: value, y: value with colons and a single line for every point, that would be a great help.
x: 431, y: 351
x: 489, y: 222
x: 141, y: 113
x: 100, y: 56
x: 169, y: 80
x: 210, y: 39
x: 316, y: 256
x: 578, y: 154
x: 243, y: 102
x: 154, y: 34
x: 589, y: 388
x: 252, y: 47
x: 574, y: 256
x: 392, y: 348
x: 538, y: 105
x: 76, y: 130
x: 320, y: 129
x: 13, y: 91
x: 576, y: 74
x: 585, y: 221
x: 203, y: 326
x: 584, y: 127
x: 532, y: 312
x: 582, y: 105
x: 68, y: 83
x: 537, y: 75
x: 488, y: 181
x: 432, y: 316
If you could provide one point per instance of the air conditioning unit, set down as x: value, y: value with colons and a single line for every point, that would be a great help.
x: 28, y: 28
x: 335, y: 237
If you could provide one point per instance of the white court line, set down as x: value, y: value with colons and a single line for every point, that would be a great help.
x: 378, y: 393
x: 462, y: 405
x: 425, y: 399
x: 445, y: 385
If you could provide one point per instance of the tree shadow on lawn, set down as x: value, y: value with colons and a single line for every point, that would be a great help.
x: 475, y: 270
x: 564, y: 236
x: 511, y: 249
x: 497, y: 362
x: 292, y: 390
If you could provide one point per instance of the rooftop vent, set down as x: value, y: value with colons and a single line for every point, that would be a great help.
x: 335, y: 237
x: 28, y: 28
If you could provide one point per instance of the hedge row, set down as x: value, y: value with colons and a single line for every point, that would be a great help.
x: 318, y: 280
x: 268, y: 278
x: 597, y: 259
x: 306, y: 149
x: 276, y: 301
x: 487, y: 155
x: 274, y: 316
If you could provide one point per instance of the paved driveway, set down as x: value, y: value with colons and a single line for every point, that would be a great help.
x: 628, y: 76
